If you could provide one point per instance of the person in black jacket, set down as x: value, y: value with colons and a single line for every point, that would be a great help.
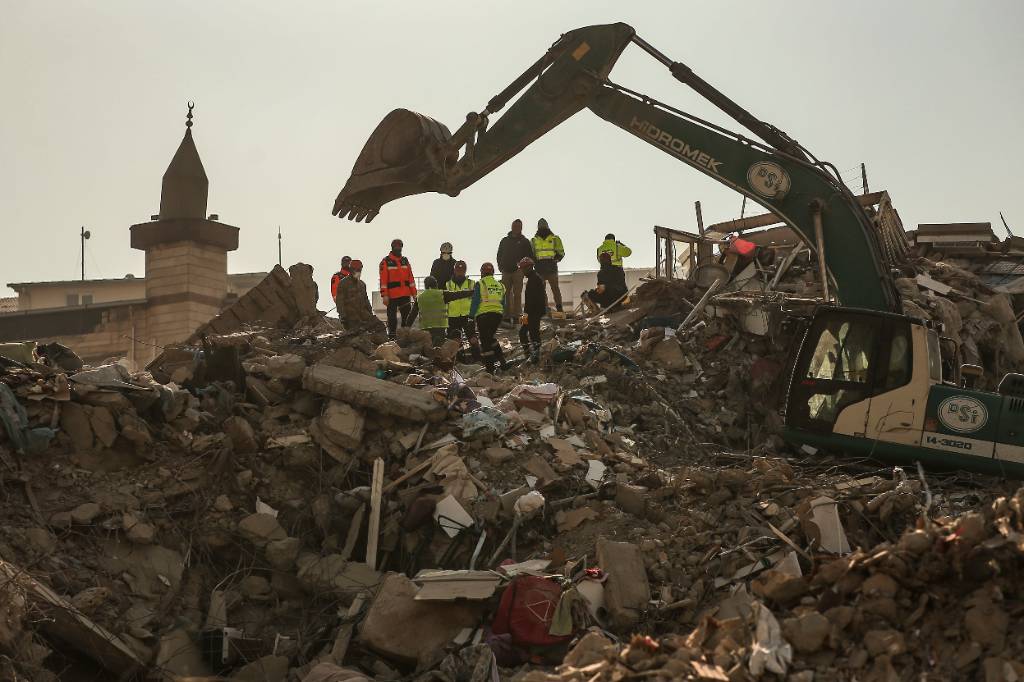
x: 443, y: 268
x: 536, y: 308
x: 512, y: 248
x: 611, y: 285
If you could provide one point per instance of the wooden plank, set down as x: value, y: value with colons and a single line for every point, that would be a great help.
x: 62, y: 621
x: 353, y: 532
x: 372, y: 535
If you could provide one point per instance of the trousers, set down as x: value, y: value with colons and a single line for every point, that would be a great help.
x: 529, y: 334
x: 490, y: 350
x: 513, y: 283
x: 552, y: 281
x: 402, y: 304
x: 460, y: 326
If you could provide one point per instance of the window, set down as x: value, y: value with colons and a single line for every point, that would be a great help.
x: 86, y: 299
x: 842, y: 353
x: 900, y: 356
x: 71, y: 299
x: 836, y: 368
x: 934, y: 357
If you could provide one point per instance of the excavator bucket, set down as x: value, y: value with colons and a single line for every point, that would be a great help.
x: 406, y: 154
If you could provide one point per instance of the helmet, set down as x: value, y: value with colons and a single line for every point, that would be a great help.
x: 345, y: 260
x: 355, y: 265
x: 460, y: 265
x: 525, y: 262
x: 396, y: 242
x: 446, y: 247
x: 487, y: 269
x: 430, y: 282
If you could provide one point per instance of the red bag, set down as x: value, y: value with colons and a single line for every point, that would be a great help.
x: 526, y: 610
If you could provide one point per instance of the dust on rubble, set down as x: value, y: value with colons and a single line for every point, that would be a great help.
x: 299, y: 502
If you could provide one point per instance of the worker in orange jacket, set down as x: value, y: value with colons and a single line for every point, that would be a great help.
x: 336, y: 278
x: 397, y: 287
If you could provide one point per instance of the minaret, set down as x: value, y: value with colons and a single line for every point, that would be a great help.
x: 186, y: 253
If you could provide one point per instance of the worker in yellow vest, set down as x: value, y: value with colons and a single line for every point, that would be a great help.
x: 458, y: 294
x: 547, y: 253
x: 616, y: 249
x: 487, y: 307
x: 433, y: 314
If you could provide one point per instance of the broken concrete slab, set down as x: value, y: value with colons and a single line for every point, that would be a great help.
x: 260, y: 529
x: 265, y: 669
x: 370, y: 392
x: 240, y: 431
x: 74, y: 421
x: 103, y: 425
x: 399, y: 627
x: 287, y: 367
x: 335, y: 575
x: 627, y: 591
x: 342, y: 424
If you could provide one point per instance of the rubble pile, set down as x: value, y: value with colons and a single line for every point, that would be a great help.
x: 284, y: 500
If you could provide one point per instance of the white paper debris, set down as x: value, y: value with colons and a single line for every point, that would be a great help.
x: 770, y: 651
x: 264, y: 508
x: 451, y: 516
x: 825, y: 515
x: 595, y: 473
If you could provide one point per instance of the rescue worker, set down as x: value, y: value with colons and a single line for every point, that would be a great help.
x: 536, y: 308
x: 443, y: 267
x: 353, y: 304
x: 487, y: 307
x: 433, y: 315
x: 397, y: 287
x: 548, y: 252
x: 458, y: 292
x: 611, y: 285
x: 340, y: 275
x: 617, y: 249
x: 512, y: 248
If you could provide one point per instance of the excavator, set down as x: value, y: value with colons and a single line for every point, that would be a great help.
x: 866, y: 379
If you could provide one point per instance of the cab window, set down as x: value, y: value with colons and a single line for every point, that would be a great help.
x: 899, y: 367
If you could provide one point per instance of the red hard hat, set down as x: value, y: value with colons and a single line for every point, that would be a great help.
x: 487, y: 269
x: 355, y: 265
x: 460, y: 265
x: 525, y: 262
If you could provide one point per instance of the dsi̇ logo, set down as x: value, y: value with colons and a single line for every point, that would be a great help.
x: 963, y: 414
x: 768, y: 179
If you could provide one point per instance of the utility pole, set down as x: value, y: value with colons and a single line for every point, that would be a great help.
x: 864, y: 177
x: 279, y: 245
x: 84, y: 234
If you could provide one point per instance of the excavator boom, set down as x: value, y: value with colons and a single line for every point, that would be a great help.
x: 410, y: 153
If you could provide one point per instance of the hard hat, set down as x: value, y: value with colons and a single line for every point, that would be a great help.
x: 446, y: 247
x: 525, y: 262
x: 355, y: 265
x: 396, y: 242
x: 487, y: 269
x: 430, y: 282
x: 460, y: 265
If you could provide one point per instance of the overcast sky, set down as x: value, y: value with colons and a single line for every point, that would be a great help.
x: 928, y: 93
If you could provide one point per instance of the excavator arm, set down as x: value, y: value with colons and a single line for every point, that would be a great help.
x: 410, y: 153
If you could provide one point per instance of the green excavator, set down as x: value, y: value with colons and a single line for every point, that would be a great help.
x: 866, y: 379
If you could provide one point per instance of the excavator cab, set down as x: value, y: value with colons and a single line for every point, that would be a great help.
x: 406, y: 154
x: 870, y: 383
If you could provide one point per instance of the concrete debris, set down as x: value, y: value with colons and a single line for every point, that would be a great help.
x: 632, y: 481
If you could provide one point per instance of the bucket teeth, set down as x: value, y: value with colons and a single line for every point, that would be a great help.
x: 403, y: 156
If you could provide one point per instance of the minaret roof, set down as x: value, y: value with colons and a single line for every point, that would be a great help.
x: 185, y: 186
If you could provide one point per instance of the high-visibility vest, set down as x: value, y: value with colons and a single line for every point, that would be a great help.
x: 396, y: 278
x: 459, y: 307
x: 547, y: 247
x: 617, y: 250
x: 492, y: 296
x: 433, y: 314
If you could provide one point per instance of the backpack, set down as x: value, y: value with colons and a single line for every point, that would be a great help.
x: 526, y: 609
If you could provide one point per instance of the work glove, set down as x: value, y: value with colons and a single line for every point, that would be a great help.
x: 524, y: 319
